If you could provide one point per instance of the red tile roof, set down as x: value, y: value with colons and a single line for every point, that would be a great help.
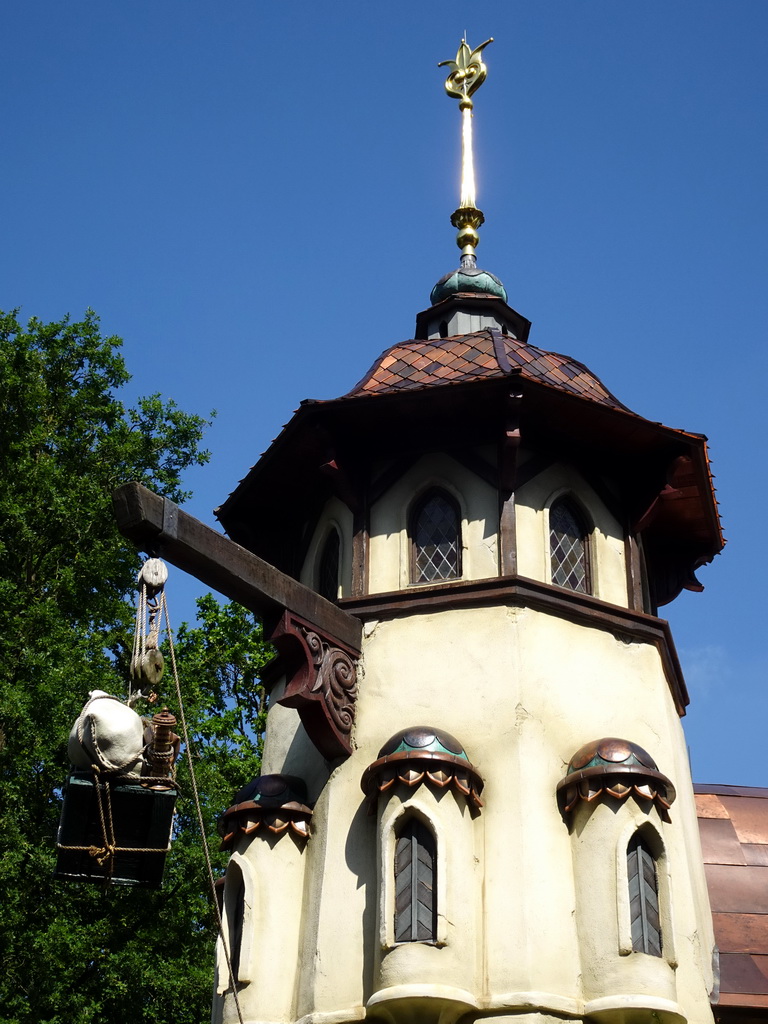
x: 488, y: 353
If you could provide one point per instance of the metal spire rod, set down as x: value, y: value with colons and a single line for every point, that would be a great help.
x: 467, y: 74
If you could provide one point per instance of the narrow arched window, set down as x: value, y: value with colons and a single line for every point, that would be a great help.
x: 415, y: 883
x: 234, y: 903
x: 435, y: 539
x: 643, y: 898
x: 328, y: 572
x: 568, y: 547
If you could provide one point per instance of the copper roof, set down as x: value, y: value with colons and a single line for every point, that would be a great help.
x: 733, y: 822
x: 487, y: 353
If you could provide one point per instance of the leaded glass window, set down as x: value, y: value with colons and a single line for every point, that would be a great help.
x: 643, y: 898
x: 415, y: 883
x: 568, y: 547
x: 436, y: 539
x: 328, y: 575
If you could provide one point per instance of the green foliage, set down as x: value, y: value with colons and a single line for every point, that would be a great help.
x: 220, y: 664
x: 74, y: 953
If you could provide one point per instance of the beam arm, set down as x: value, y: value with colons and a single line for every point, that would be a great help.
x: 156, y: 524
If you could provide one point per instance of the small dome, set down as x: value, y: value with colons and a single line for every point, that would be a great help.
x: 610, y: 751
x: 273, y: 790
x: 613, y: 767
x: 420, y: 755
x: 423, y: 739
x: 270, y: 803
x: 468, y: 279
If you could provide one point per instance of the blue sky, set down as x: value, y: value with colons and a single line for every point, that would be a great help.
x: 256, y: 197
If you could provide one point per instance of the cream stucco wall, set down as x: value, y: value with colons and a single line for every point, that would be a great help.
x: 389, y: 548
x: 524, y: 899
x: 389, y: 559
x: 606, y: 542
x: 272, y: 869
x: 287, y: 748
x: 405, y: 971
x: 335, y: 516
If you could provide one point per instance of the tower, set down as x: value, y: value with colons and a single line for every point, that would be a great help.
x: 482, y: 807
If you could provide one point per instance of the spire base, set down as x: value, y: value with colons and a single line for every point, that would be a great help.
x: 467, y: 219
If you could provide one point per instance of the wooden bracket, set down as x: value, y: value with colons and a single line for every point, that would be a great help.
x: 342, y: 485
x: 319, y: 641
x: 509, y: 448
x: 321, y: 684
x: 669, y: 492
x: 509, y: 454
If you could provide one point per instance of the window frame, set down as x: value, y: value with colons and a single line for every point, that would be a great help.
x: 237, y: 910
x: 323, y: 551
x: 649, y: 938
x: 419, y: 836
x: 417, y: 508
x: 583, y: 523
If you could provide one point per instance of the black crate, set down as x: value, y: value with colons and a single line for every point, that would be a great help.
x: 142, y: 820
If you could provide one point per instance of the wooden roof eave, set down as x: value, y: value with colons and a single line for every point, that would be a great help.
x: 609, y: 430
x: 292, y: 463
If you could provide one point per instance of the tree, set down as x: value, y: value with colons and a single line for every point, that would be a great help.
x: 220, y: 664
x: 69, y: 952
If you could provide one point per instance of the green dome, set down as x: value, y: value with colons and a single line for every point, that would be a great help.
x: 423, y: 738
x: 273, y: 790
x: 613, y: 752
x: 468, y: 279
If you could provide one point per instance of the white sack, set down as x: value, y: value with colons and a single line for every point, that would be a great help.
x: 108, y: 733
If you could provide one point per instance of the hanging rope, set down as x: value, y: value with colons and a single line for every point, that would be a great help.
x: 146, y: 671
x: 198, y: 807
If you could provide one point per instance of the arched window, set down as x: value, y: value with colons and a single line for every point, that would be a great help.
x: 415, y: 883
x: 568, y: 547
x: 643, y: 897
x: 328, y: 572
x: 234, y: 903
x: 435, y: 539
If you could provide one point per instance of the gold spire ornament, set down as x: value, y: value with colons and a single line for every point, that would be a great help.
x: 468, y: 72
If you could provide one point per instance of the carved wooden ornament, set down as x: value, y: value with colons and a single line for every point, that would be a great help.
x: 321, y: 683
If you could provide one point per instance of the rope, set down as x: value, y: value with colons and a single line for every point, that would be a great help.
x: 138, y: 639
x: 105, y: 854
x: 98, y: 851
x: 206, y: 851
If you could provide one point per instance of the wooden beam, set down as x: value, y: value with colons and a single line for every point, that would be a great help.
x: 507, y: 481
x: 158, y: 525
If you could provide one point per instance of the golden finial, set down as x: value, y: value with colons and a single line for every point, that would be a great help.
x: 467, y: 74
